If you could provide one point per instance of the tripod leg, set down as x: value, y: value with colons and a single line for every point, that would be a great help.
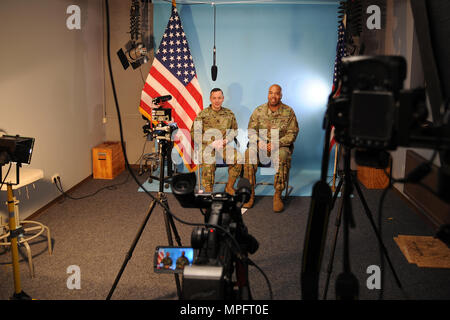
x: 336, y: 193
x: 333, y: 250
x: 162, y: 197
x: 369, y: 215
x: 170, y: 219
x: 130, y: 252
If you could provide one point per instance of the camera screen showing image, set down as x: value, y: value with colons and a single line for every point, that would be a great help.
x: 172, y: 259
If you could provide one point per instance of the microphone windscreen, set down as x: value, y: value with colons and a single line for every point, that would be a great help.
x: 243, y: 183
x: 214, y: 72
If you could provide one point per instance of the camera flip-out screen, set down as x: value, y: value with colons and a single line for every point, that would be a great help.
x: 172, y: 259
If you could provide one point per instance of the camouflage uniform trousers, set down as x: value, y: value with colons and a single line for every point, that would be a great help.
x: 281, y: 176
x: 209, y: 170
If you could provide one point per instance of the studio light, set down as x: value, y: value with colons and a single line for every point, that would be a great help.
x: 135, y: 51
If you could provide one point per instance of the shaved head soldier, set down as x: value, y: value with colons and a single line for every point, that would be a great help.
x: 272, y: 117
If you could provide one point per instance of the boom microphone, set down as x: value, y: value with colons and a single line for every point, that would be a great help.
x: 214, y: 67
x: 214, y: 72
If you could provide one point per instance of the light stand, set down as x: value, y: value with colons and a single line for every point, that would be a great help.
x: 163, y: 151
x: 14, y: 233
x: 19, y: 150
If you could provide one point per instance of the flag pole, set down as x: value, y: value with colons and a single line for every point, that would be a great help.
x: 174, y: 3
x: 334, y: 170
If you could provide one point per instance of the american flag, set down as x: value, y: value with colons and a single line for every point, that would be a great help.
x: 173, y: 73
x: 160, y: 257
x: 340, y: 53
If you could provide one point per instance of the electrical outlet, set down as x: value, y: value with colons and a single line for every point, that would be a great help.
x: 55, y: 176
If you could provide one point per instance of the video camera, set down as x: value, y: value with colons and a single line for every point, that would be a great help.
x: 162, y: 116
x: 222, y: 245
x: 373, y: 113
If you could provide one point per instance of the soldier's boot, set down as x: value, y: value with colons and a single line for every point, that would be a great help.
x: 229, y: 187
x: 278, y: 205
x: 250, y: 174
x: 234, y: 171
x: 251, y: 201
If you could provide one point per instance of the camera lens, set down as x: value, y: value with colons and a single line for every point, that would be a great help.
x: 182, y: 186
x: 198, y: 237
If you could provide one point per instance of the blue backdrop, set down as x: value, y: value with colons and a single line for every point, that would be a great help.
x: 293, y: 45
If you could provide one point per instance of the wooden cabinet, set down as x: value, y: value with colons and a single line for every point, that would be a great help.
x: 373, y: 178
x: 107, y: 160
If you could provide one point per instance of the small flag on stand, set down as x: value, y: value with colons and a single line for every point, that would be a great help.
x: 173, y: 73
x: 337, y: 83
x: 340, y: 53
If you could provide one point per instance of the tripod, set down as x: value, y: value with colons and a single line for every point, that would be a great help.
x: 164, y: 147
x: 347, y: 182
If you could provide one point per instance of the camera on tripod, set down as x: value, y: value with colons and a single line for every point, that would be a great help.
x: 374, y: 114
x: 221, y: 246
x: 163, y: 128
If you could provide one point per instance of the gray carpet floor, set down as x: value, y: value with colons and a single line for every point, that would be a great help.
x: 96, y: 233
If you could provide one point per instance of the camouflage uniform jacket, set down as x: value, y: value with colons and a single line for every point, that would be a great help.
x: 222, y: 120
x: 283, y: 119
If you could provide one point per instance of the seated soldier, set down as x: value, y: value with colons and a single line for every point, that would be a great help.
x: 213, y: 131
x: 268, y: 119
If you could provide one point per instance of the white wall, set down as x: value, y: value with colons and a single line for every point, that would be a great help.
x: 51, y: 88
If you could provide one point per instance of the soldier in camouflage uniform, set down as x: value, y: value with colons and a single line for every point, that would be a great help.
x: 219, y: 120
x: 182, y: 261
x: 271, y: 115
x: 167, y: 261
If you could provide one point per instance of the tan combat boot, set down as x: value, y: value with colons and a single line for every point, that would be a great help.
x: 208, y: 189
x: 278, y: 205
x: 229, y: 187
x: 250, y: 202
x: 250, y: 174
